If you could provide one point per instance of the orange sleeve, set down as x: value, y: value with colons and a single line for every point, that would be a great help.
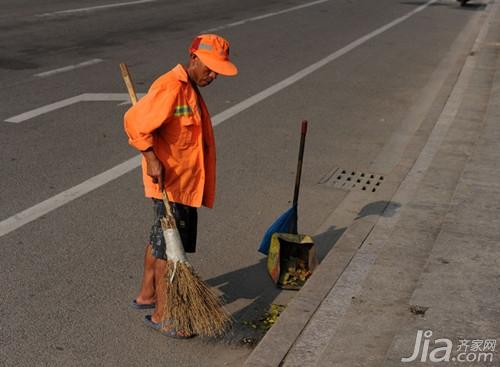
x: 148, y: 114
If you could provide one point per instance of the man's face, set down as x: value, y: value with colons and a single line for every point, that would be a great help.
x: 199, y: 73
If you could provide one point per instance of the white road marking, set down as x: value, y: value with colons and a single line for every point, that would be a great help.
x: 312, y: 68
x: 92, y: 8
x: 264, y: 16
x: 68, y: 68
x: 12, y: 223
x: 54, y: 106
x: 64, y: 197
x: 85, y: 97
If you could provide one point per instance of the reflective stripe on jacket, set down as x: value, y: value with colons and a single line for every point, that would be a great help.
x: 173, y: 119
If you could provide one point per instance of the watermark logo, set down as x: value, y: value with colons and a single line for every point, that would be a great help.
x: 441, y: 350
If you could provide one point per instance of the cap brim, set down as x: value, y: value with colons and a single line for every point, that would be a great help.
x: 222, y: 67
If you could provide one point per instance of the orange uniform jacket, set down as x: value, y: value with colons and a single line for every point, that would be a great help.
x: 173, y: 119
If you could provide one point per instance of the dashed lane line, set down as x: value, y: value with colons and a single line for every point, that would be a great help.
x: 92, y: 8
x: 68, y: 68
x: 263, y: 16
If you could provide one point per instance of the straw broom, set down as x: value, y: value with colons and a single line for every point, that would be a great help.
x: 191, y: 306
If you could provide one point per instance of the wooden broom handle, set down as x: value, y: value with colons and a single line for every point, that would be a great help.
x: 167, y: 204
x: 128, y: 83
x: 133, y: 98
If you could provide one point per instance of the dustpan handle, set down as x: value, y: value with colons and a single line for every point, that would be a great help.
x: 299, y: 163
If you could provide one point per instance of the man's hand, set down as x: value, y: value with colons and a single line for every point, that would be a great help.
x: 154, y: 167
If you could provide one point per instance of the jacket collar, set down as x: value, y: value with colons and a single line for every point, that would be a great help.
x: 181, y: 73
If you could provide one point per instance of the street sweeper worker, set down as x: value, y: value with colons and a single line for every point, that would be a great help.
x: 171, y: 126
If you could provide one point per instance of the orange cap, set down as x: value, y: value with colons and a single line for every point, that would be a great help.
x: 213, y: 51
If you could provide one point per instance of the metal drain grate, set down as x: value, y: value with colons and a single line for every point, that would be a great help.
x: 350, y: 179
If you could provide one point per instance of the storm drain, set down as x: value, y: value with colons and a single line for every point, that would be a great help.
x: 352, y: 180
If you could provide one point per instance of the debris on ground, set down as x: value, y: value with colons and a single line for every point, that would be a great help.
x: 265, y: 322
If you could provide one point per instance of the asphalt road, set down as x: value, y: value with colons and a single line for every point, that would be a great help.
x: 67, y: 276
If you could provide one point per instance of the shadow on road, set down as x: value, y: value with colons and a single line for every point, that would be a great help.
x: 473, y: 6
x: 383, y: 208
x: 250, y: 284
x: 253, y: 284
x: 453, y: 5
x: 423, y: 2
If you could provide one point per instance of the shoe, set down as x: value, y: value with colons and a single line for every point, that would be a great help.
x: 142, y: 306
x: 171, y: 332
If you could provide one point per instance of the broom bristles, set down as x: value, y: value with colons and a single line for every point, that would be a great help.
x: 192, y: 305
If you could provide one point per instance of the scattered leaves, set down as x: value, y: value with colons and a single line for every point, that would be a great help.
x: 269, y: 319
